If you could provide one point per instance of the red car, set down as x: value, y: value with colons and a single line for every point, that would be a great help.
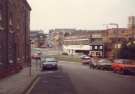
x: 35, y: 56
x: 123, y: 66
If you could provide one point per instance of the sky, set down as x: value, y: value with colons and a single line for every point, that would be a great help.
x: 79, y: 14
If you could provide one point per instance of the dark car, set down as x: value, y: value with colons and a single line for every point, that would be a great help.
x: 49, y: 63
x: 104, y: 64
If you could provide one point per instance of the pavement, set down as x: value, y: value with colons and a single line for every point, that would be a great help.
x: 18, y: 83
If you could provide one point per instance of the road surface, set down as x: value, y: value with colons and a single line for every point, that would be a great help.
x: 72, y: 78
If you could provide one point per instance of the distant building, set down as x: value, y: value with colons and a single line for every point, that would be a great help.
x: 38, y: 38
x: 131, y: 26
x: 14, y: 35
x: 56, y: 36
x: 97, y: 44
x: 79, y: 42
x: 113, y: 40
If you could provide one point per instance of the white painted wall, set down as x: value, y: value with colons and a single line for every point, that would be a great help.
x: 70, y: 49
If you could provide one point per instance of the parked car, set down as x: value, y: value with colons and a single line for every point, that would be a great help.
x: 123, y: 66
x: 35, y: 56
x: 49, y: 63
x: 104, y: 64
x: 36, y: 53
x: 64, y: 53
x: 83, y: 56
x: 85, y: 60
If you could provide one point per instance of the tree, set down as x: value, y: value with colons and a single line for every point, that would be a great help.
x: 127, y: 50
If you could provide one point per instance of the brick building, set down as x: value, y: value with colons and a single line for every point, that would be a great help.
x: 113, y: 40
x: 14, y: 35
x: 131, y: 26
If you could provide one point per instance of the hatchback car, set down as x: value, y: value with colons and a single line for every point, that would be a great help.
x: 35, y: 56
x: 123, y: 66
x: 85, y: 60
x: 49, y: 63
x: 104, y: 64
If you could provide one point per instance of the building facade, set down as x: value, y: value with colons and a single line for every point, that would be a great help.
x: 80, y: 42
x: 56, y: 36
x: 113, y: 40
x: 14, y: 35
x: 131, y: 26
x: 38, y: 39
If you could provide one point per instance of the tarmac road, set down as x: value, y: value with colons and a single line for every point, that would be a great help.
x: 72, y: 78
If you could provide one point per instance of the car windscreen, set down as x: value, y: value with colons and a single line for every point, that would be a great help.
x: 121, y: 61
x: 104, y: 61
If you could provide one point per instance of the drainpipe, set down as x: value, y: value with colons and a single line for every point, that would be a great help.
x: 6, y: 31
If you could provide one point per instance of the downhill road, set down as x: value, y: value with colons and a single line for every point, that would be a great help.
x: 72, y: 78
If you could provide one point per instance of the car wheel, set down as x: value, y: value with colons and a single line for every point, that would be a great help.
x: 56, y: 68
x: 120, y: 72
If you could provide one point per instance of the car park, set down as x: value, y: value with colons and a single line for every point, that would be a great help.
x: 104, y: 64
x: 49, y: 63
x: 123, y: 66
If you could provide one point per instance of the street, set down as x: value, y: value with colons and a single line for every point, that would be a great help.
x: 74, y: 78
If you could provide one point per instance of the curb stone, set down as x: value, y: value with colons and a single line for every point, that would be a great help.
x: 29, y: 86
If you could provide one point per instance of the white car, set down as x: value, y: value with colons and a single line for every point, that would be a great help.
x: 49, y: 63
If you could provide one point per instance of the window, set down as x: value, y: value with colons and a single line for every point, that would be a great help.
x: 0, y: 14
x: 90, y: 47
x: 98, y: 54
x: 101, y: 47
x: 1, y: 28
x: 1, y: 65
x: 96, y: 47
x: 10, y: 22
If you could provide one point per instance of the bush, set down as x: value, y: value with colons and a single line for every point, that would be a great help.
x: 64, y: 53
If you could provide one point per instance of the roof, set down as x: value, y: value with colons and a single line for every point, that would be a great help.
x: 96, y: 43
x: 27, y: 4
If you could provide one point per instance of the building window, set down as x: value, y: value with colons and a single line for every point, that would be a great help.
x: 101, y: 47
x: 0, y: 15
x: 98, y: 54
x: 1, y: 28
x: 96, y: 47
x: 90, y: 47
x: 10, y: 22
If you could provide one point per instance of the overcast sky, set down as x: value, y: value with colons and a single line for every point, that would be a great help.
x: 80, y: 14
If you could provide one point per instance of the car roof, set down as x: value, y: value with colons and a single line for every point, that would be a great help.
x: 50, y: 59
x: 122, y: 61
x: 104, y: 61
